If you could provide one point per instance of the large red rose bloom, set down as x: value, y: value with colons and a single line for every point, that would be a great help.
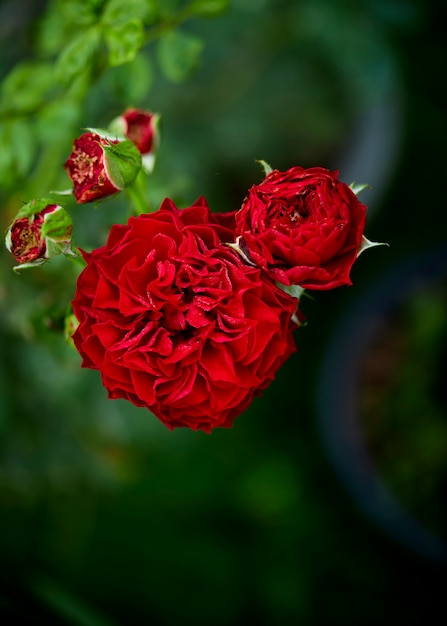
x: 303, y: 226
x: 177, y: 322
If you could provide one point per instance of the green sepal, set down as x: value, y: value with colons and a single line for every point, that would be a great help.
x: 26, y: 266
x: 62, y: 192
x: 70, y: 325
x: 358, y: 187
x: 293, y: 290
x: 365, y: 244
x: 34, y: 206
x: 241, y: 251
x: 114, y: 133
x: 57, y: 247
x: 57, y: 226
x: 268, y: 169
x: 122, y: 162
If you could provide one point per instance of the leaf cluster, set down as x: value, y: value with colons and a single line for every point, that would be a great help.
x: 75, y: 44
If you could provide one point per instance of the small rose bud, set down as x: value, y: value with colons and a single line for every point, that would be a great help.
x: 142, y: 128
x: 40, y: 231
x: 100, y: 166
x: 70, y: 326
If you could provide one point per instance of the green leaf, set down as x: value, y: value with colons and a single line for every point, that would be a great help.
x: 167, y: 8
x: 66, y: 605
x: 78, y: 12
x: 58, y: 120
x: 61, y: 20
x: 119, y: 12
x: 78, y: 55
x: 122, y: 163
x: 26, y: 86
x: 17, y: 150
x: 209, y: 8
x: 5, y: 152
x: 179, y: 55
x: 124, y: 41
x: 23, y: 143
x: 129, y: 83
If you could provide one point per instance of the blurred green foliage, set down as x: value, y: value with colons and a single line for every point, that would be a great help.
x: 106, y: 517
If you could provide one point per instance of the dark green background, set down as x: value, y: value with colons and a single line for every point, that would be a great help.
x: 108, y: 518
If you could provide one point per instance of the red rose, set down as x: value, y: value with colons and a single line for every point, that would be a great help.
x: 303, y: 226
x: 141, y: 128
x: 175, y: 321
x: 99, y: 166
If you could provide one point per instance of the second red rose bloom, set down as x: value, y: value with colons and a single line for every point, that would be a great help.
x: 303, y: 226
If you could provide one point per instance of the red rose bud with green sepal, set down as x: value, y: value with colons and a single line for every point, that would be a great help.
x: 303, y: 226
x: 142, y: 128
x: 40, y: 231
x: 100, y: 166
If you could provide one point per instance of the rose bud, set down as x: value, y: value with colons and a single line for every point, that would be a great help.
x: 100, y: 166
x: 70, y: 326
x: 304, y: 227
x: 40, y: 231
x: 141, y: 127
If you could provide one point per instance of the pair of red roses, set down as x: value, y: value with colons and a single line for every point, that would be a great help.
x: 190, y: 313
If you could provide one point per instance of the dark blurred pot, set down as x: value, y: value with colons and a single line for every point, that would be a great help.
x: 354, y: 343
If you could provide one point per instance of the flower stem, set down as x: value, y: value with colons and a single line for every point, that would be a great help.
x: 137, y: 194
x: 77, y: 258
